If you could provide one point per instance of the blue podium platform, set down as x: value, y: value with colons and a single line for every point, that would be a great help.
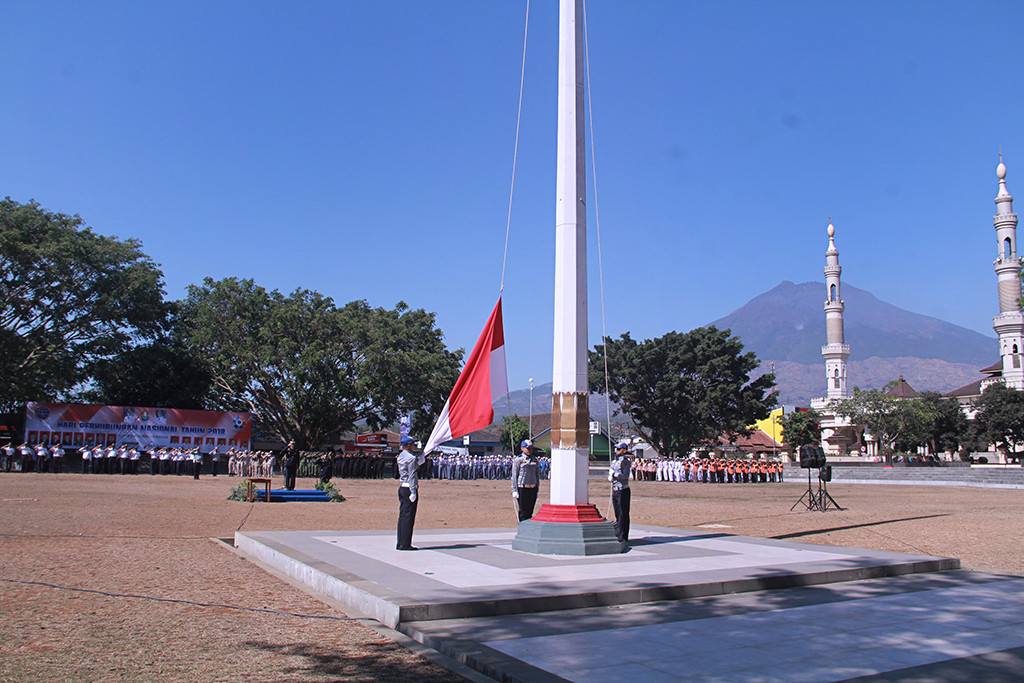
x: 298, y: 496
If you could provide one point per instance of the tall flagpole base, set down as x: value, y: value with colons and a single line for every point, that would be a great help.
x: 568, y: 530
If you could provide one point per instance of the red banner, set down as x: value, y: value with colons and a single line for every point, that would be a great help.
x: 134, y: 425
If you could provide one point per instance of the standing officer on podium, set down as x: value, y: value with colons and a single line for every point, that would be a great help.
x: 408, y: 464
x: 525, y: 479
x: 290, y: 454
x: 618, y: 475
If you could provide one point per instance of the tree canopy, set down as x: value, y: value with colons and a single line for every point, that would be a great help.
x: 889, y: 418
x: 514, y: 430
x: 162, y: 373
x: 685, y: 390
x: 69, y: 298
x: 946, y: 427
x: 801, y: 428
x: 307, y: 368
x: 1000, y: 417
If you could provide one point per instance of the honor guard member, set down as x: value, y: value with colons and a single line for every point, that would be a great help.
x: 57, y: 458
x: 42, y: 458
x: 618, y: 475
x: 408, y: 464
x: 8, y: 457
x: 525, y: 478
x: 27, y: 457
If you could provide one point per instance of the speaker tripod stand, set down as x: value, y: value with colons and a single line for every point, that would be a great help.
x: 824, y: 497
x: 810, y: 495
x: 819, y: 500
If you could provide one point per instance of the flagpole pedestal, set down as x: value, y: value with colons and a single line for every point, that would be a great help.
x: 568, y: 530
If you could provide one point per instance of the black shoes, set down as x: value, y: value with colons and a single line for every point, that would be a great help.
x: 406, y: 547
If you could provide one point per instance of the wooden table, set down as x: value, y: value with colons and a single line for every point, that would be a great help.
x: 250, y: 488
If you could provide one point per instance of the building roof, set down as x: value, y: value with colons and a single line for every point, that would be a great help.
x: 756, y: 441
x: 902, y: 390
x: 994, y: 369
x: 972, y: 389
x: 540, y: 423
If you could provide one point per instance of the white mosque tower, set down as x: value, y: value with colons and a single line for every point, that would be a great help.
x: 1009, y: 324
x: 838, y: 435
x: 836, y: 351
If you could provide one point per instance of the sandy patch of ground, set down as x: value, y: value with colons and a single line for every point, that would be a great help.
x: 149, y: 536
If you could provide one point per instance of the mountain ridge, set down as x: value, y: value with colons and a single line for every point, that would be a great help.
x: 786, y: 325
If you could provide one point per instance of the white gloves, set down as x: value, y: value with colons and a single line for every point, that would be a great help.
x: 515, y: 494
x: 412, y: 497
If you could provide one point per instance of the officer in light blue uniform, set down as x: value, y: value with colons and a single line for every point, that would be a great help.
x: 525, y: 479
x: 408, y: 491
x: 618, y: 475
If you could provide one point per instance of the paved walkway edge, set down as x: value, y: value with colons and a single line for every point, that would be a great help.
x: 392, y: 609
x: 321, y: 577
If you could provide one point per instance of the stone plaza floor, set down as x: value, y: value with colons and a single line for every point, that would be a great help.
x: 680, y: 605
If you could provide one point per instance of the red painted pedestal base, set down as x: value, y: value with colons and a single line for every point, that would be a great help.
x: 568, y: 514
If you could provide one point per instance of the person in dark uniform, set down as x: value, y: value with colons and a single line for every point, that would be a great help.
x: 408, y: 492
x: 290, y: 455
x: 525, y: 479
x: 618, y: 475
x: 326, y: 468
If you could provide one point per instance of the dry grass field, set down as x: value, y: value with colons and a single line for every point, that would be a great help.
x: 156, y: 600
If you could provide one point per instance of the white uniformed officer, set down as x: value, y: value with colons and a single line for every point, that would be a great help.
x: 525, y: 479
x: 618, y: 475
x: 408, y: 491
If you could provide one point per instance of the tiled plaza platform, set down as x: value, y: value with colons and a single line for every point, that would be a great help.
x: 476, y: 573
x: 680, y: 605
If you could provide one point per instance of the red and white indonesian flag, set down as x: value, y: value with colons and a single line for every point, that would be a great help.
x: 483, y: 381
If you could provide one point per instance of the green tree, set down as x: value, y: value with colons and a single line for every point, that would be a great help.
x: 801, y: 428
x: 514, y: 430
x: 69, y: 298
x: 1000, y: 417
x: 306, y: 368
x: 946, y: 427
x: 163, y: 374
x: 891, y: 419
x: 684, y: 390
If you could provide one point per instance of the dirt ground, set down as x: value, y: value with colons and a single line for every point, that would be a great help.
x: 157, y: 600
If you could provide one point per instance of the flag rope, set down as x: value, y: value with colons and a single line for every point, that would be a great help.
x: 600, y: 258
x: 511, y: 192
x: 515, y: 154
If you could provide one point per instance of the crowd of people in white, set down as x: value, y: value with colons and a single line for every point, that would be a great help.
x: 126, y: 459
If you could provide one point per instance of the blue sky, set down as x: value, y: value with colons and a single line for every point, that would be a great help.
x: 364, y: 149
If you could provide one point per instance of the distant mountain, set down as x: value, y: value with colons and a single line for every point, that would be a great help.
x: 519, y: 400
x: 787, y: 325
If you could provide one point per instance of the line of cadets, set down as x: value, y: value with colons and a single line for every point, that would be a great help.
x: 32, y: 458
x: 708, y: 470
x: 102, y: 459
x: 492, y: 467
x: 177, y: 461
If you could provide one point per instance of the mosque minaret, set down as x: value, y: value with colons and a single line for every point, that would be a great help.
x: 1009, y: 324
x: 836, y: 351
x: 838, y: 434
